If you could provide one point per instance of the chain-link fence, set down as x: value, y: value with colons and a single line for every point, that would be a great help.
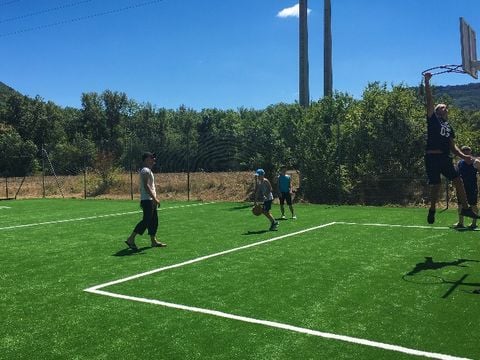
x: 205, y: 186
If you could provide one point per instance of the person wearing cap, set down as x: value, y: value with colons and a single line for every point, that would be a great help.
x: 285, y: 191
x: 468, y: 173
x: 440, y: 143
x: 263, y: 192
x: 149, y: 204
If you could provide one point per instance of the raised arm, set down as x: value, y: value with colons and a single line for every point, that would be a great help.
x: 428, y: 95
x: 456, y: 151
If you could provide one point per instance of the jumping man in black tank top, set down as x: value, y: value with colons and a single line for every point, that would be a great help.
x: 440, y: 142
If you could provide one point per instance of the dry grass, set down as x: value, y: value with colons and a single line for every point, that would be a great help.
x: 226, y: 186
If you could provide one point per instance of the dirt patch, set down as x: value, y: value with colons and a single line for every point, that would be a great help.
x: 221, y: 186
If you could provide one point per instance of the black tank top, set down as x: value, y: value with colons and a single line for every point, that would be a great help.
x: 439, y: 133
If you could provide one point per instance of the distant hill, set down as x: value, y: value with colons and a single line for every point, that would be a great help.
x: 463, y: 96
x: 5, y: 92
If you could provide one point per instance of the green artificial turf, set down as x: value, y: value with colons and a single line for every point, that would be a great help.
x: 411, y: 285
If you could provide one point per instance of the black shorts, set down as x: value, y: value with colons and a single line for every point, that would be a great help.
x: 267, y: 205
x: 472, y: 195
x: 285, y: 196
x: 439, y: 164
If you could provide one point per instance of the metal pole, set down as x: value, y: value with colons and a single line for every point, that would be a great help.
x: 131, y: 167
x: 43, y: 172
x: 84, y: 180
x: 188, y: 165
x: 447, y: 193
x: 339, y: 168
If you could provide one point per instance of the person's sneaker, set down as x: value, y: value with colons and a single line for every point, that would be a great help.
x: 459, y: 226
x: 283, y: 217
x: 472, y: 226
x: 294, y: 217
x: 431, y: 216
x: 274, y: 226
x: 468, y: 212
x: 158, y: 244
x: 131, y: 245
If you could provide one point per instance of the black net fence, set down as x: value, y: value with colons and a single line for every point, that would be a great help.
x: 108, y: 180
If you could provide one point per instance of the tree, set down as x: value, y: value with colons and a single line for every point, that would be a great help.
x: 94, y: 120
x: 384, y: 132
x: 115, y: 108
x: 17, y: 157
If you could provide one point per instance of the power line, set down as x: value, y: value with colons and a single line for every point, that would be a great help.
x: 81, y: 18
x: 9, y: 2
x: 44, y: 11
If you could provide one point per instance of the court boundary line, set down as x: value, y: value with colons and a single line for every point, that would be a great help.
x: 349, y: 339
x: 98, y: 216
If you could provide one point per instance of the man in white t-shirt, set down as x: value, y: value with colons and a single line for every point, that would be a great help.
x: 149, y: 204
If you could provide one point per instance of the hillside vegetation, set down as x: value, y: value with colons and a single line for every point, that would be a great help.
x: 367, y: 150
x: 463, y: 96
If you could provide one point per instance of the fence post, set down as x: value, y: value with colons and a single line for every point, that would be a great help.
x: 43, y: 172
x: 84, y: 182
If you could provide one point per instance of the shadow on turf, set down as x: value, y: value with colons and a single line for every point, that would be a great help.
x: 128, y: 252
x: 430, y: 264
x: 429, y: 279
x: 255, y: 232
x: 240, y: 207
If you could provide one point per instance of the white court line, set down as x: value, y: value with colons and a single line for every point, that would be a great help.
x: 5, y: 207
x: 393, y: 225
x: 358, y: 341
x: 96, y: 217
x: 274, y: 324
x: 96, y: 287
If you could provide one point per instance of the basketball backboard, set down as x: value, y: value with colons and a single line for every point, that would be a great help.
x: 468, y: 40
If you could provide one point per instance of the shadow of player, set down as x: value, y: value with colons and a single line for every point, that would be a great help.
x: 430, y: 264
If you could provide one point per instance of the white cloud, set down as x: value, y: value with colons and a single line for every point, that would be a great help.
x: 293, y: 11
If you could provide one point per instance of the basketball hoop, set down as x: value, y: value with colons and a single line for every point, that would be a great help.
x: 470, y: 64
x: 442, y: 69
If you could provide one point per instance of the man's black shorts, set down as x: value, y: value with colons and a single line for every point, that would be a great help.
x: 439, y: 164
x: 472, y: 194
x: 285, y: 196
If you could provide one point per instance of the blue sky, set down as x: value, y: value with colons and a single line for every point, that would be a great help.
x: 221, y: 53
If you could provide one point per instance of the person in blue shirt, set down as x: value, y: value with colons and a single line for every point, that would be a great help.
x: 285, y: 191
x: 440, y: 144
x: 468, y: 173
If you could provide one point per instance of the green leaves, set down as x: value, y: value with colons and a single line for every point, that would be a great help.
x: 366, y: 150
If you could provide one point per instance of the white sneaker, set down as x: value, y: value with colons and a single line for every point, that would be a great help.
x: 283, y: 217
x: 294, y: 217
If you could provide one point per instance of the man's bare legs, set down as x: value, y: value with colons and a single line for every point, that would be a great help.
x: 462, y: 200
x: 153, y: 239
